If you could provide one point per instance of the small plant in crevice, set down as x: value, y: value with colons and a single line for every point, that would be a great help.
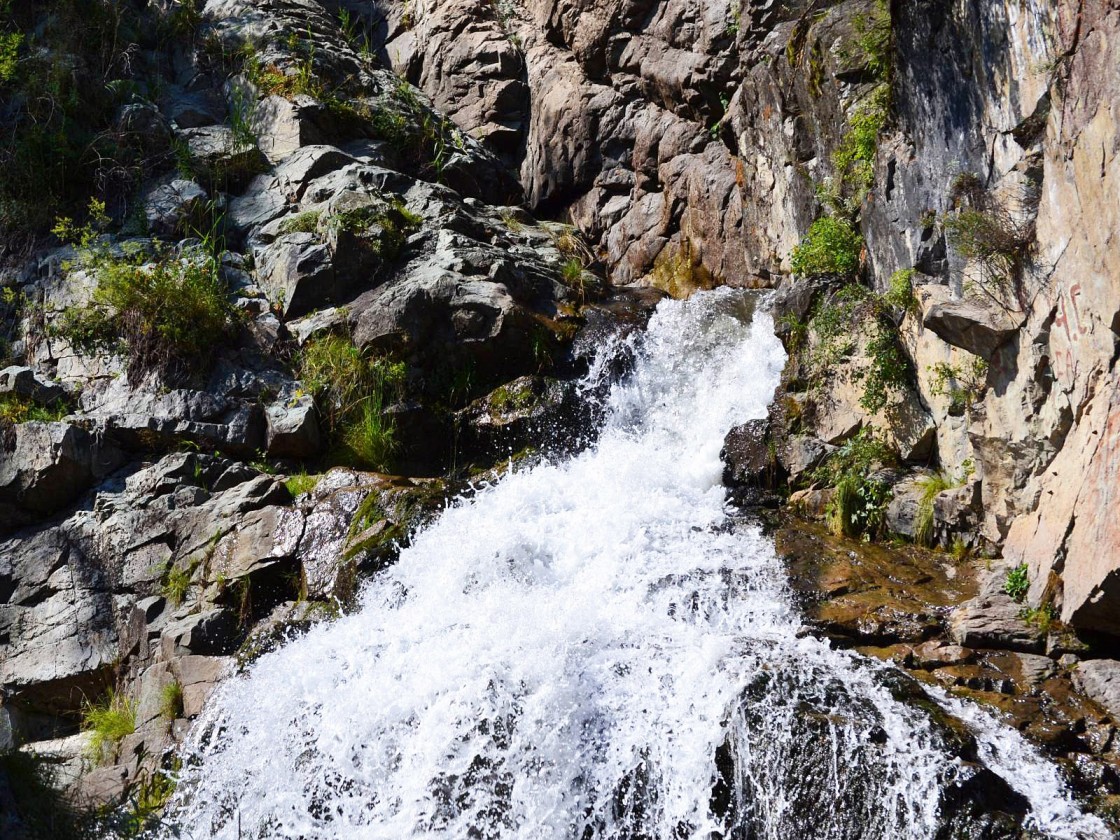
x: 1042, y: 619
x: 300, y: 483
x: 177, y: 583
x: 930, y: 486
x: 352, y: 391
x: 831, y: 247
x: 171, y: 700
x: 963, y: 384
x: 384, y: 228
x: 108, y: 721
x: 1017, y: 583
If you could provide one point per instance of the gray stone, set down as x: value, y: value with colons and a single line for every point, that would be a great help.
x: 801, y: 453
x: 992, y: 619
x: 25, y: 383
x: 297, y: 274
x: 1100, y: 680
x: 169, y: 207
x: 293, y: 428
x: 141, y: 419
x: 978, y: 326
x: 48, y: 465
x: 199, y: 676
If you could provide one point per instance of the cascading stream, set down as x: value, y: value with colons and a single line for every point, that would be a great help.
x: 592, y: 649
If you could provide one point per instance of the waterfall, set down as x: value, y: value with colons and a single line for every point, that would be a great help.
x: 597, y: 648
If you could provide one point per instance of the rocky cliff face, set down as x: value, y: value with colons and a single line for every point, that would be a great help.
x: 355, y: 179
x: 691, y: 144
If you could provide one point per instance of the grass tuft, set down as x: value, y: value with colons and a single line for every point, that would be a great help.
x: 108, y: 721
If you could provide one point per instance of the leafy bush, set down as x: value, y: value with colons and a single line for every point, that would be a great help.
x: 167, y: 313
x: 900, y: 291
x: 15, y: 410
x: 108, y: 722
x: 889, y: 368
x: 836, y: 324
x: 832, y: 246
x: 352, y: 392
x: 168, y: 316
x: 1017, y: 583
x: 963, y: 384
x: 860, y: 502
x: 991, y: 238
x: 854, y: 158
x: 873, y: 38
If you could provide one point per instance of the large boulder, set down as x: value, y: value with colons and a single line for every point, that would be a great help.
x: 46, y: 466
x: 139, y: 418
x: 1100, y: 680
x: 974, y: 324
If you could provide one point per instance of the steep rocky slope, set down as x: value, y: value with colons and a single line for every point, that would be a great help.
x: 692, y: 143
x: 932, y: 188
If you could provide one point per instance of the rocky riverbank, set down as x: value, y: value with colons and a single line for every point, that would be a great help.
x: 949, y: 623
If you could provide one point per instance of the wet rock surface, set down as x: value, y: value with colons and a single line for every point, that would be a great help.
x: 947, y: 623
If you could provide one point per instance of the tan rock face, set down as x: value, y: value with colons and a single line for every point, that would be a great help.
x: 1072, y: 539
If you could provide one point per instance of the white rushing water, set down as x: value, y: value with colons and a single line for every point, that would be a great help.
x: 585, y: 650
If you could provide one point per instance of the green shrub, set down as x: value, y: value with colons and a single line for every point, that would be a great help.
x: 14, y: 410
x: 108, y: 722
x: 832, y: 246
x: 963, y: 384
x: 900, y: 291
x: 889, y: 369
x: 854, y: 157
x: 9, y: 54
x: 1017, y: 583
x: 873, y: 38
x: 980, y: 235
x: 860, y: 502
x: 168, y: 315
x: 66, y: 67
x: 171, y: 700
x: 836, y: 324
